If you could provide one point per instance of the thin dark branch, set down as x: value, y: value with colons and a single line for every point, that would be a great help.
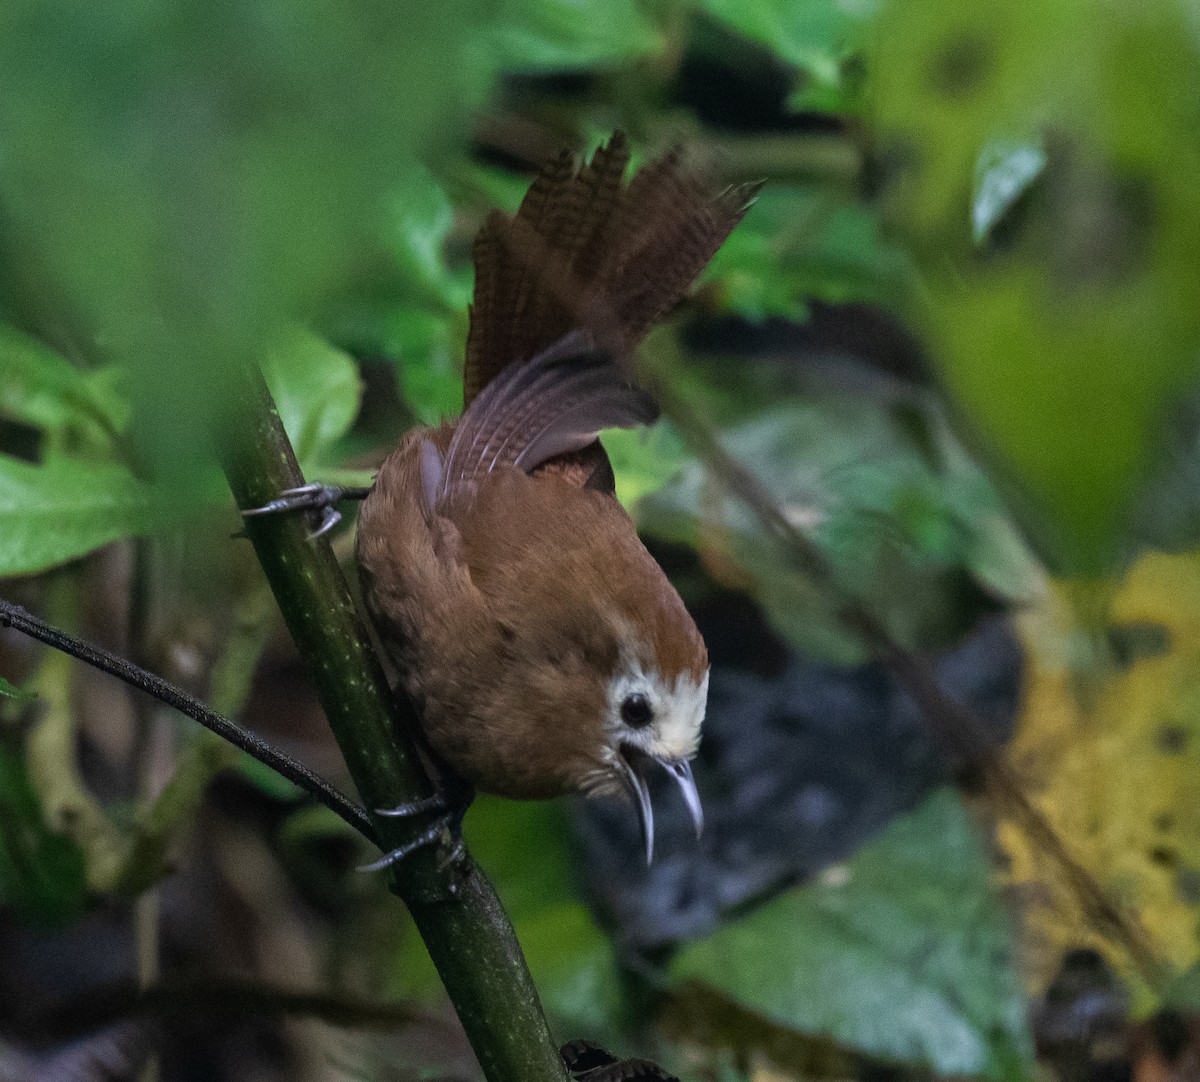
x: 17, y: 618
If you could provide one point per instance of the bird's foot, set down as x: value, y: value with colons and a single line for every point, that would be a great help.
x: 587, y: 1062
x: 442, y: 831
x: 319, y: 499
x: 449, y: 806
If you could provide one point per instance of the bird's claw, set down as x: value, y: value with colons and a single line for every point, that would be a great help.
x: 429, y: 836
x: 315, y: 497
x: 440, y: 801
x: 588, y: 1062
x: 449, y: 805
x: 445, y: 832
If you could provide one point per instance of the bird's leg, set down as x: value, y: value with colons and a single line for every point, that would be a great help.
x: 449, y: 804
x: 318, y: 498
x: 587, y: 1062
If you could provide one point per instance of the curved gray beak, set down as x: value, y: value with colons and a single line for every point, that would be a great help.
x: 681, y: 771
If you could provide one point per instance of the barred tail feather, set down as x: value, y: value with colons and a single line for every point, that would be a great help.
x: 585, y: 252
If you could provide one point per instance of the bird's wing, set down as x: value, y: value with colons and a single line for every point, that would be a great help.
x: 586, y: 251
x: 550, y: 406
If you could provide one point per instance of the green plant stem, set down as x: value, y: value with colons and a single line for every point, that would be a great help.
x: 465, y: 929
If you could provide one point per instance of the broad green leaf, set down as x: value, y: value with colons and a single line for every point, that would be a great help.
x: 316, y: 389
x: 817, y: 36
x: 66, y: 507
x: 41, y: 873
x: 430, y: 350
x: 419, y: 221
x: 904, y: 953
x: 1067, y: 346
x: 797, y: 244
x: 74, y: 409
x: 570, y: 35
x: 413, y: 309
x: 1004, y: 172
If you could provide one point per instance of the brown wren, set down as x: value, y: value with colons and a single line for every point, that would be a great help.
x: 545, y: 649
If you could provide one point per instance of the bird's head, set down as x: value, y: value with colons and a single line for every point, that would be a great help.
x: 654, y: 723
x: 652, y: 709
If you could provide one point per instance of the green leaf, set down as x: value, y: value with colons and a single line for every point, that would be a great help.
x: 268, y: 780
x: 419, y: 222
x: 66, y: 507
x: 569, y: 35
x: 817, y: 36
x: 644, y: 459
x: 188, y: 180
x: 412, y: 308
x: 9, y: 690
x: 74, y: 409
x: 429, y: 348
x: 317, y: 391
x: 904, y: 953
x: 1003, y: 173
x: 42, y: 876
x: 797, y: 244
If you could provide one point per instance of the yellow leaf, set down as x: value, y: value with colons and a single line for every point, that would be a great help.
x: 1109, y: 743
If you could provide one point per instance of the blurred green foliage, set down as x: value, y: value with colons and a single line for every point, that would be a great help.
x: 566, y: 35
x: 914, y: 530
x: 9, y: 690
x: 800, y: 244
x: 316, y: 389
x: 1066, y: 339
x: 822, y: 41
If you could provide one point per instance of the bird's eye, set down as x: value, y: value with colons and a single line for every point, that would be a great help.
x: 636, y: 711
